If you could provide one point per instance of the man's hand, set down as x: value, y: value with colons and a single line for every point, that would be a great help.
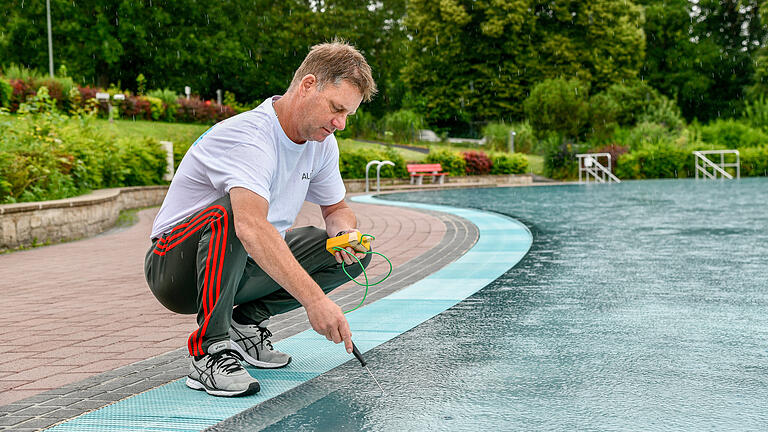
x: 347, y: 256
x: 326, y: 318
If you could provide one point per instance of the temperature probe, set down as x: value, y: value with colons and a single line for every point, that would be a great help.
x: 359, y: 358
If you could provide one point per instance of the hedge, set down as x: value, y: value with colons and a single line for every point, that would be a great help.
x: 47, y: 156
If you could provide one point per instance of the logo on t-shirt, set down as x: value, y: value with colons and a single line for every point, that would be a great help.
x: 306, y: 176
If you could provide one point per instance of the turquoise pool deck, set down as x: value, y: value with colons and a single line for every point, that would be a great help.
x: 502, y: 243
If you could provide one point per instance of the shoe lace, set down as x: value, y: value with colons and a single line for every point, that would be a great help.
x: 265, y: 335
x: 226, y: 360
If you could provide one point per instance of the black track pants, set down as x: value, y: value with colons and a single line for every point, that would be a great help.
x: 201, y: 267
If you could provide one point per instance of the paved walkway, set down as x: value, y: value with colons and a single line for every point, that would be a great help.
x: 76, y: 310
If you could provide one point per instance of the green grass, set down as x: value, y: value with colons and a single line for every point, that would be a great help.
x: 178, y: 133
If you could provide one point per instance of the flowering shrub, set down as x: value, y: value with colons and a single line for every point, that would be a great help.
x: 135, y: 108
x: 157, y: 105
x: 477, y: 163
x: 195, y: 110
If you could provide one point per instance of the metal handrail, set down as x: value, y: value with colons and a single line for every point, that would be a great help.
x: 378, y: 173
x: 589, y: 164
x: 717, y: 168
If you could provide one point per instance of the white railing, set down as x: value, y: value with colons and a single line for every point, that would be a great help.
x: 590, y: 167
x: 703, y: 164
x: 378, y: 164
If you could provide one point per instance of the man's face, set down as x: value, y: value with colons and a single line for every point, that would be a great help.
x: 327, y: 110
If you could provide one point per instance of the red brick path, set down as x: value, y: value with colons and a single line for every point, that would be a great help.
x: 77, y: 309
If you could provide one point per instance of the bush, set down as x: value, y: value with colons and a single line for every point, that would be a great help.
x: 170, y: 102
x: 603, y: 114
x: 756, y: 113
x: 660, y: 160
x: 560, y: 162
x: 632, y: 98
x: 135, y: 108
x: 477, y: 163
x: 754, y: 161
x: 195, y: 110
x: 558, y: 105
x: 505, y: 163
x: 47, y: 156
x: 733, y: 134
x: 360, y: 125
x: 615, y: 150
x: 664, y: 112
x: 452, y: 162
x: 6, y: 91
x: 643, y: 134
x: 404, y: 125
x: 352, y: 163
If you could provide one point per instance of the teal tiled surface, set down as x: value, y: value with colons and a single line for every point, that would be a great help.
x: 173, y: 407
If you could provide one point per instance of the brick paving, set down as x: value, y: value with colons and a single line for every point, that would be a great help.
x: 82, y: 330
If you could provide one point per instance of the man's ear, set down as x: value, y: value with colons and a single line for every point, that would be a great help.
x: 307, y: 83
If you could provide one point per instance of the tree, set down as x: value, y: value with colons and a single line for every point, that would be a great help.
x: 476, y: 61
x: 701, y: 53
x: 558, y: 105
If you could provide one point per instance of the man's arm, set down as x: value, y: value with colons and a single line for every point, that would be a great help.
x: 340, y: 218
x: 265, y: 245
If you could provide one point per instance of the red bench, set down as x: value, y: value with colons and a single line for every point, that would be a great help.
x: 418, y: 171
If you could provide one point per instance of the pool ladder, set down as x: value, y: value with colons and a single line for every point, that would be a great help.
x: 703, y: 164
x: 590, y: 167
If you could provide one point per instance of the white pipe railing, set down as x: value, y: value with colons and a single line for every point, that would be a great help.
x: 378, y: 173
x: 589, y: 164
x: 702, y: 162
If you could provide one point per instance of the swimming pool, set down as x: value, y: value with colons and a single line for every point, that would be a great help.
x: 640, y: 306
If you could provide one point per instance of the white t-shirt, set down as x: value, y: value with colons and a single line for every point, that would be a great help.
x: 252, y: 151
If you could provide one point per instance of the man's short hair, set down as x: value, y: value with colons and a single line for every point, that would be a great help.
x: 334, y: 62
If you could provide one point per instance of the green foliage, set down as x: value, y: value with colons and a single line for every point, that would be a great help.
x: 701, y: 53
x: 663, y: 112
x: 754, y: 161
x: 603, y: 114
x: 452, y: 162
x: 360, y: 125
x: 157, y: 107
x: 756, y: 113
x: 141, y: 84
x: 477, y: 60
x: 45, y: 155
x: 560, y: 161
x: 632, y: 98
x: 505, y: 163
x: 6, y: 91
x: 497, y: 136
x: 404, y: 125
x: 230, y: 101
x: 660, y: 160
x: 352, y: 163
x: 643, y: 134
x: 170, y: 100
x: 558, y: 105
x: 15, y: 71
x: 733, y: 134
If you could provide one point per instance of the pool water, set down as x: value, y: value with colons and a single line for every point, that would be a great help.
x: 640, y: 306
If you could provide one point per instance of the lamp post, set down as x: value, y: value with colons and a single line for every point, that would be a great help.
x: 50, y: 38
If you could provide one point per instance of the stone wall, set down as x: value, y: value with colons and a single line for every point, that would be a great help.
x: 27, y: 224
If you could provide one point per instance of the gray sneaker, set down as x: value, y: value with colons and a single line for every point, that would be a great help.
x: 252, y: 341
x: 219, y: 372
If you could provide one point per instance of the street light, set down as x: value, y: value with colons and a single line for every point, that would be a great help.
x: 50, y: 38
